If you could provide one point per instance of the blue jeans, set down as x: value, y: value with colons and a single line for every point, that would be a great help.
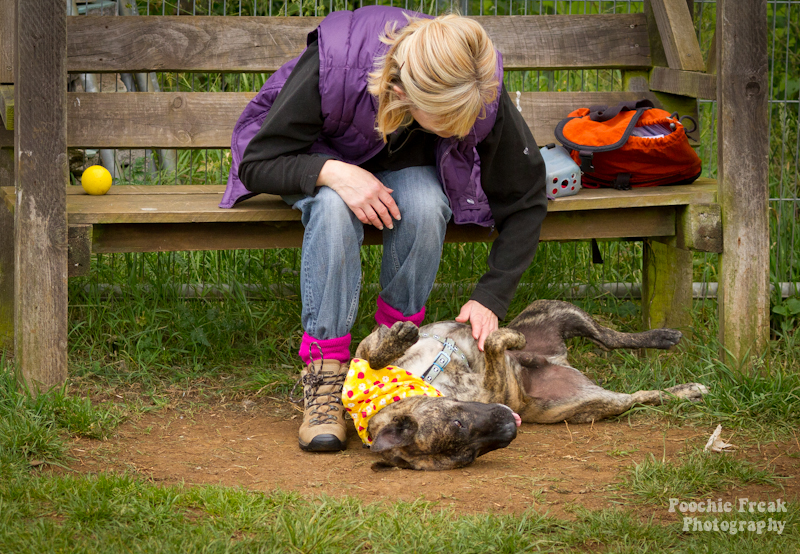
x: 330, y: 273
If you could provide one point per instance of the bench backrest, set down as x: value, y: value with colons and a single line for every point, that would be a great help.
x: 258, y: 44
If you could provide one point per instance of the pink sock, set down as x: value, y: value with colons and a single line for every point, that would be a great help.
x: 386, y: 315
x: 332, y: 349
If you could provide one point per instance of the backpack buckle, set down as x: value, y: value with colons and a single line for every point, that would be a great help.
x: 586, y: 161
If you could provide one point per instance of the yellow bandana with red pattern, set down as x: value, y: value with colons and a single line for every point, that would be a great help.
x: 366, y: 391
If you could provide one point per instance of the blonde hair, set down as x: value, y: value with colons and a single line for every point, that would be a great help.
x: 446, y: 68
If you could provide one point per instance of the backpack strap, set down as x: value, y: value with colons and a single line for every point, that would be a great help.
x: 604, y: 113
x: 622, y: 181
x: 597, y: 256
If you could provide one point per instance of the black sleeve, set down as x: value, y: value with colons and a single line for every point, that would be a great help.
x: 276, y: 160
x: 513, y: 178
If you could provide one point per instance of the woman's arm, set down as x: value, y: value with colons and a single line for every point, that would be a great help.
x: 513, y: 178
x: 276, y: 159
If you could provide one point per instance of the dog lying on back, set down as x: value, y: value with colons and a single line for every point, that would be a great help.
x: 523, y: 374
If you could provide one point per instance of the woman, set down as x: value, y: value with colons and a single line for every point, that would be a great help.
x: 400, y: 121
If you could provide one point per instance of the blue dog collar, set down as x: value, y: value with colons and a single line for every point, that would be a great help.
x: 442, y: 359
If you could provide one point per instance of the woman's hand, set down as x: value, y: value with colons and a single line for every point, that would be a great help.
x: 365, y: 195
x: 482, y: 319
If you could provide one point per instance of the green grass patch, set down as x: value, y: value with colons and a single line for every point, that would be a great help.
x: 121, y: 513
x: 693, y: 476
x: 34, y: 429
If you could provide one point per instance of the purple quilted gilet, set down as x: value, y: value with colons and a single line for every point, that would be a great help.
x: 349, y: 42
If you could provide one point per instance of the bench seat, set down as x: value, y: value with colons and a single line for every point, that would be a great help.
x: 131, y: 218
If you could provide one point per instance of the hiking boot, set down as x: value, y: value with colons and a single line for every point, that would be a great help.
x: 323, y: 428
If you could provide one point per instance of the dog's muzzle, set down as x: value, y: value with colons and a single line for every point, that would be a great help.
x: 498, y: 430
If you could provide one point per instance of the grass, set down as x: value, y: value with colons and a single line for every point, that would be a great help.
x: 143, y: 343
x: 693, y: 477
x: 33, y: 430
x: 119, y: 513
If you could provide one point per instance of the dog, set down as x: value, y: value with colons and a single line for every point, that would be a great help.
x: 522, y: 375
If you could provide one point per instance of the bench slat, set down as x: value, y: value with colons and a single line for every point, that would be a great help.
x: 185, y: 204
x: 256, y: 44
x: 176, y: 218
x: 657, y: 221
x: 702, y: 191
x: 206, y: 120
x: 684, y: 83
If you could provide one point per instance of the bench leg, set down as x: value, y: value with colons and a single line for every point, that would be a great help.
x: 743, y: 152
x: 666, y: 286
x: 6, y: 255
x: 41, y: 171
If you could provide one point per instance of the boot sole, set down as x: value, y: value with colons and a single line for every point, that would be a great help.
x: 323, y: 443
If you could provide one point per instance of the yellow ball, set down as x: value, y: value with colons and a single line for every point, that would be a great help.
x: 96, y: 180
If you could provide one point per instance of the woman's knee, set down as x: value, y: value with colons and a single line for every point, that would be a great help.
x: 420, y: 198
x: 329, y: 214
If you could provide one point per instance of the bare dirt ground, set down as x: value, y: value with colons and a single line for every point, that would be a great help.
x: 552, y: 468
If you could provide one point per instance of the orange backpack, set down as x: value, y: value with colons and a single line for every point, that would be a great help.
x: 632, y: 144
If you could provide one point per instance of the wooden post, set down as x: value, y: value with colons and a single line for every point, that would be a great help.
x: 41, y: 168
x: 7, y: 37
x: 657, y: 54
x: 743, y: 149
x: 677, y: 34
x: 666, y: 286
x: 7, y: 34
x: 711, y: 62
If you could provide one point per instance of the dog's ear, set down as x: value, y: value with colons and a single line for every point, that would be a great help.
x: 400, y: 432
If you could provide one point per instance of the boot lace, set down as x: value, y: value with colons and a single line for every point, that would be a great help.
x: 322, y: 407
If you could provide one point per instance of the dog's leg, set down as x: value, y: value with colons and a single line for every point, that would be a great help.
x: 558, y: 392
x: 499, y: 381
x: 609, y: 339
x: 546, y: 324
x: 607, y: 403
x: 385, y: 345
x: 561, y: 393
x: 687, y: 391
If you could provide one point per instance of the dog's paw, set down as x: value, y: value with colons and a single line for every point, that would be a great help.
x: 689, y: 391
x: 504, y: 339
x: 405, y: 332
x: 665, y: 338
x: 393, y: 345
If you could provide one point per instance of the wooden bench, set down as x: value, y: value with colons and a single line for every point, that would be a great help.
x: 656, y: 51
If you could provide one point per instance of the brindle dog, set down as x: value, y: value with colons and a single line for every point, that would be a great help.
x: 523, y: 368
